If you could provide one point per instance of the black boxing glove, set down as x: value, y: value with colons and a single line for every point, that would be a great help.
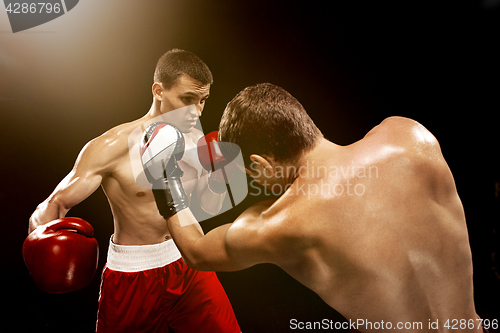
x: 162, y: 145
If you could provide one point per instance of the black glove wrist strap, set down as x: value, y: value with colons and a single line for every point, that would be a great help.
x: 170, y: 196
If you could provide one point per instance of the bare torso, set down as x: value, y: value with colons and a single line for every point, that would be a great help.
x: 378, y: 231
x: 136, y: 217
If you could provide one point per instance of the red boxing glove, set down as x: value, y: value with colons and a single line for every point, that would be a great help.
x: 62, y: 255
x: 209, y: 153
x: 212, y: 160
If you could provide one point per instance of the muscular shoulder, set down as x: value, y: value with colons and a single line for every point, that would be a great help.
x: 252, y: 219
x: 405, y: 132
x: 417, y: 146
x: 262, y: 231
x: 403, y: 135
x: 252, y: 230
x: 100, y: 153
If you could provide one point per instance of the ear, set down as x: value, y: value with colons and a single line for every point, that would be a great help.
x: 261, y: 165
x: 157, y: 90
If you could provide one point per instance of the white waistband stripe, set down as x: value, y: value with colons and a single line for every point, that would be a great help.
x: 135, y: 258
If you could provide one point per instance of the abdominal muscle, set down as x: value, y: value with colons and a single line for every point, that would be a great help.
x: 135, y: 214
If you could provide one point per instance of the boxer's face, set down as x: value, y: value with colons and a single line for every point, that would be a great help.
x: 186, y: 91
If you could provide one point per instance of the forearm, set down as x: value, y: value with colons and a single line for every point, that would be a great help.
x: 211, y: 202
x: 47, y: 211
x: 202, y: 252
x: 85, y: 177
x: 185, y: 230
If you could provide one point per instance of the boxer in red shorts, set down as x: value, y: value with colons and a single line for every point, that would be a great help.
x: 162, y: 292
x: 146, y: 287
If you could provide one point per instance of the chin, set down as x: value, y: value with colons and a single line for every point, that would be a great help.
x: 186, y: 129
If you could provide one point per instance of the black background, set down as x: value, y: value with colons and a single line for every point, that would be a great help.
x: 351, y: 64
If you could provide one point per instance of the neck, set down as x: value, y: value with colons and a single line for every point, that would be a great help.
x: 154, y: 110
x: 312, y: 156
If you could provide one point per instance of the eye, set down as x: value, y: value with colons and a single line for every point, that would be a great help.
x: 187, y: 100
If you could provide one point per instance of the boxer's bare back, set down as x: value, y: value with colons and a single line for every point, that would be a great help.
x: 375, y: 228
x: 396, y: 247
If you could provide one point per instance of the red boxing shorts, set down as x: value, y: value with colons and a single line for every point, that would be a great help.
x: 149, y: 288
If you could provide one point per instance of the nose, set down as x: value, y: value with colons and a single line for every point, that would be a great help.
x: 199, y: 110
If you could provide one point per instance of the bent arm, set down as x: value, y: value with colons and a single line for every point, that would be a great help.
x: 80, y: 183
x: 71, y: 190
x: 230, y: 247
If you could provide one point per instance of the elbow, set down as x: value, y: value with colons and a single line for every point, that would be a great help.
x: 198, y: 260
x: 205, y: 264
x: 197, y: 264
x: 57, y: 203
x: 192, y: 258
x: 189, y: 261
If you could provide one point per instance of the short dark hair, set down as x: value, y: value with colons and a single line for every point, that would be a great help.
x: 176, y: 62
x: 267, y: 120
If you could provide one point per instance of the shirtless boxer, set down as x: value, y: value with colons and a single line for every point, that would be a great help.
x: 146, y: 287
x: 375, y: 228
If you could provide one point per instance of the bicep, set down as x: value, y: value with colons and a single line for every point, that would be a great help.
x: 83, y: 180
x: 74, y: 188
x: 233, y: 246
x: 209, y: 253
x: 86, y: 176
x: 224, y: 249
x: 249, y: 245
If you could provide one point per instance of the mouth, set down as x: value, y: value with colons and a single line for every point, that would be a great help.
x: 192, y: 122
